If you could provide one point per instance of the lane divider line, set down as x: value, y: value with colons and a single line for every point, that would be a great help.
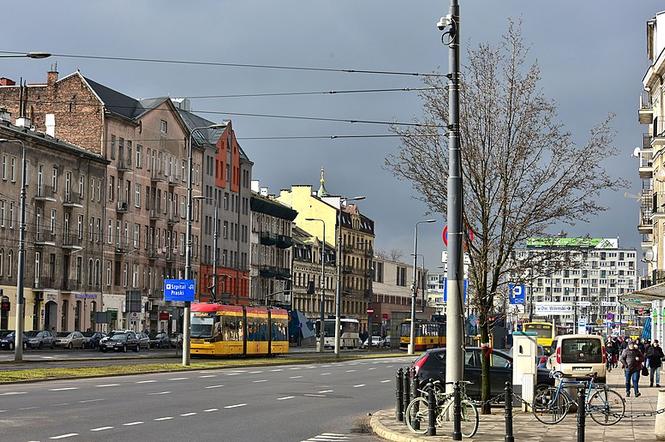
x: 214, y: 386
x: 101, y: 429
x: 131, y: 424
x: 210, y: 410
x: 285, y: 398
x: 63, y: 436
x: 188, y: 414
x: 165, y: 418
x: 235, y: 406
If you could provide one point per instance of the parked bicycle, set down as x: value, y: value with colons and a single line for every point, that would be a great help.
x: 604, y: 405
x: 417, y: 414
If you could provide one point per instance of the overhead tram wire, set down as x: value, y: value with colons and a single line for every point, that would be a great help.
x: 236, y: 65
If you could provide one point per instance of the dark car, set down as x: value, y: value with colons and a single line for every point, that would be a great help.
x: 144, y: 340
x: 160, y: 340
x: 40, y: 339
x: 7, y: 338
x: 432, y: 364
x: 121, y: 341
x: 92, y: 339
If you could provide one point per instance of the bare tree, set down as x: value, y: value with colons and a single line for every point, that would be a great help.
x: 522, y: 172
x: 380, y: 253
x: 395, y: 254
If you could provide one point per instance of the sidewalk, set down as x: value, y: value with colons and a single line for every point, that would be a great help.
x: 527, y: 428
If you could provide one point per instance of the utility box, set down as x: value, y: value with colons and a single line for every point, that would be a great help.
x: 525, y: 351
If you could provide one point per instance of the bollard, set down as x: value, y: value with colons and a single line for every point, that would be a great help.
x: 415, y: 393
x: 660, y: 418
x: 509, y: 412
x: 457, y: 412
x: 581, y: 413
x: 431, y: 409
x: 406, y: 390
x: 399, y: 410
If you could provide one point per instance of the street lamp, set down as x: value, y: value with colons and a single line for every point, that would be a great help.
x: 422, y: 281
x: 33, y: 54
x: 338, y: 292
x: 414, y: 295
x: 188, y: 242
x: 322, y: 284
x: 20, y: 300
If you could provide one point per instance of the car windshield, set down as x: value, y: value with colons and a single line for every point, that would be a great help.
x: 30, y: 334
x: 202, y: 327
x: 63, y: 334
x: 4, y: 333
x: 584, y: 350
x: 119, y: 337
x: 88, y: 334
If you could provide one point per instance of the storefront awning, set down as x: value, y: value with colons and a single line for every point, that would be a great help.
x: 639, y: 298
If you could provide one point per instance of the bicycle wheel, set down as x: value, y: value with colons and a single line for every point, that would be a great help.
x: 606, y: 407
x: 416, y: 415
x: 469, y: 414
x: 550, y: 406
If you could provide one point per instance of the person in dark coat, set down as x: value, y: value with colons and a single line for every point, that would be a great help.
x: 631, y: 360
x: 654, y: 358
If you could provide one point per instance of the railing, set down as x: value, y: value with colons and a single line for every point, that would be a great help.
x: 156, y: 175
x: 44, y: 191
x: 123, y: 165
x: 173, y: 180
x: 646, y: 158
x: 153, y: 253
x: 645, y: 102
x: 122, y: 207
x: 284, y: 242
x: 44, y: 282
x: 73, y: 284
x: 44, y: 235
x: 268, y: 238
x: 172, y: 219
x: 658, y: 276
x: 71, y: 240
x: 71, y: 198
x: 646, y: 141
x: 120, y: 247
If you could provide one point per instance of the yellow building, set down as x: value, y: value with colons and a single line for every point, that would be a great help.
x: 357, y: 245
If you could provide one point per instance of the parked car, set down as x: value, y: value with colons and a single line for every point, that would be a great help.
x: 377, y: 341
x: 120, y: 341
x: 40, y: 339
x: 160, y: 340
x: 579, y: 355
x: 92, y: 339
x: 176, y: 340
x: 69, y: 340
x: 7, y: 340
x: 144, y: 340
x: 432, y: 364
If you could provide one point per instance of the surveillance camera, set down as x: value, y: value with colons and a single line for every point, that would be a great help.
x: 444, y: 22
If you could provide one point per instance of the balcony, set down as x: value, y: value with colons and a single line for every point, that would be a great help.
x: 647, y: 241
x: 348, y: 248
x: 44, y: 282
x: 172, y: 180
x: 121, y: 207
x: 71, y: 241
x: 646, y: 205
x: 658, y: 139
x: 122, y: 166
x: 154, y: 215
x: 657, y: 277
x: 646, y: 163
x: 45, y: 193
x: 266, y: 271
x: 72, y: 199
x: 120, y: 248
x: 284, y: 242
x: 156, y: 176
x: 645, y: 112
x: 171, y: 256
x: 44, y: 237
x: 152, y: 253
x: 368, y: 252
x: 347, y: 269
x: 268, y: 238
x: 172, y: 220
x: 72, y: 285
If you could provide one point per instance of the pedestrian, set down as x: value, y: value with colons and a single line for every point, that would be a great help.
x: 654, y: 361
x: 631, y: 361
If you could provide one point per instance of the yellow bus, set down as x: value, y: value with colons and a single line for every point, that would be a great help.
x: 428, y: 334
x: 227, y: 330
x: 544, y: 331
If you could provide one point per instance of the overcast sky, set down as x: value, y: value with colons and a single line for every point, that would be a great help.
x: 592, y: 54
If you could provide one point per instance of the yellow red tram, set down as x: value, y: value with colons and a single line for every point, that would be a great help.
x: 429, y: 334
x: 235, y: 330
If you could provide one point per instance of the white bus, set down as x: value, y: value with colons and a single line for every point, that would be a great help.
x: 349, y: 337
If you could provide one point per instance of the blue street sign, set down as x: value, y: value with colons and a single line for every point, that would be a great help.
x: 445, y: 289
x: 179, y: 289
x: 516, y: 293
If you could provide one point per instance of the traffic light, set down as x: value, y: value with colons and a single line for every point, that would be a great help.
x: 310, y: 287
x: 5, y: 305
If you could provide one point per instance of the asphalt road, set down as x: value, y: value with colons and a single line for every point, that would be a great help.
x: 280, y: 403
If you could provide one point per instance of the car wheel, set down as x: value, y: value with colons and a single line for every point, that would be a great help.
x: 103, y: 350
x: 70, y: 346
x: 11, y: 346
x: 39, y: 346
x: 124, y: 349
x: 137, y: 348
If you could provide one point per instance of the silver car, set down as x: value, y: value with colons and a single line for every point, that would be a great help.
x: 70, y: 340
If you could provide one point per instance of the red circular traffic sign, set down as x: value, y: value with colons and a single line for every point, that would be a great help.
x: 444, y: 235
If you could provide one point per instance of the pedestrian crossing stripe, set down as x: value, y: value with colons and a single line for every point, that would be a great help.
x: 328, y: 437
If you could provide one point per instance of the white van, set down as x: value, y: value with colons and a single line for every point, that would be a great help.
x: 579, y: 356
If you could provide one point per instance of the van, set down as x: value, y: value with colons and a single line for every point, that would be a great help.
x: 579, y: 356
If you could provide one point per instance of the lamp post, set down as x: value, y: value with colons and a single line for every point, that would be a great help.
x: 414, y: 295
x: 33, y: 54
x: 338, y: 292
x: 20, y: 300
x: 423, y: 282
x: 322, y: 285
x: 188, y: 242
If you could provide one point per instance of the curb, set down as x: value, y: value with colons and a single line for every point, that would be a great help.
x: 385, y: 433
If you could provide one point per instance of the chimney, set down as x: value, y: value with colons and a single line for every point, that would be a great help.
x: 50, y: 124
x: 4, y: 81
x: 23, y: 120
x: 52, y: 75
x: 255, y: 186
x: 263, y: 191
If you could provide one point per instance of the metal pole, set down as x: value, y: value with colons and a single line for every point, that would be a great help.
x: 322, y: 286
x: 454, y: 324
x: 531, y: 300
x: 20, y: 300
x: 188, y: 253
x: 412, y: 334
x: 338, y: 293
x: 215, y: 258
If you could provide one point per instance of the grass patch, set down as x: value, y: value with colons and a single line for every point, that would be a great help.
x: 44, y: 374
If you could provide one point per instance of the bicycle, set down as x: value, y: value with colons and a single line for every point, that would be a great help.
x: 604, y: 405
x: 417, y: 414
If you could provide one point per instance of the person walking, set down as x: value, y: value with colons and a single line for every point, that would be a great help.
x: 654, y: 358
x: 631, y: 360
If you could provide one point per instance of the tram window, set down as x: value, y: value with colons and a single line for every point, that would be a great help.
x: 279, y: 330
x: 232, y: 328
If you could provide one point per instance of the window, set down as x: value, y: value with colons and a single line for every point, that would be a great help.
x: 125, y: 275
x: 139, y: 156
x: 137, y: 235
x: 225, y: 230
x: 81, y: 186
x: 108, y: 274
x: 2, y: 213
x: 80, y: 227
x: 137, y: 195
x: 401, y: 276
x: 163, y: 126
x: 12, y: 169
x: 113, y: 147
x: 109, y: 232
x: 2, y: 254
x: 53, y: 216
x: 92, y: 189
x: 129, y: 153
x: 10, y: 262
x: 11, y: 217
x: 111, y: 187
x: 54, y: 179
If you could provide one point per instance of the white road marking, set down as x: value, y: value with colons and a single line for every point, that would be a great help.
x: 131, y: 424
x: 385, y: 380
x: 63, y: 389
x: 27, y: 408
x: 215, y: 386
x: 3, y: 411
x: 187, y: 414
x: 177, y: 379
x: 62, y: 404
x: 260, y: 380
x: 325, y: 374
x: 350, y: 371
x: 325, y: 366
x: 161, y: 392
x: 359, y: 385
x: 390, y: 366
x: 295, y: 377
x: 46, y: 357
x: 91, y: 400
x: 165, y: 418
x: 107, y: 385
x: 235, y: 406
x: 277, y: 369
x: 208, y: 376
x: 233, y: 374
x: 235, y: 370
x: 284, y: 398
x: 149, y: 381
x: 63, y: 436
x: 314, y: 395
x: 13, y: 393
x: 371, y: 368
x: 325, y: 391
x: 256, y: 372
x: 294, y: 368
x: 210, y: 410
x: 100, y: 429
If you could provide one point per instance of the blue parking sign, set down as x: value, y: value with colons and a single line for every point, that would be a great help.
x: 179, y: 290
x: 516, y: 293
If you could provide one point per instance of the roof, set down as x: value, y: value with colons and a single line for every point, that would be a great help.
x: 206, y: 136
x: 116, y: 102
